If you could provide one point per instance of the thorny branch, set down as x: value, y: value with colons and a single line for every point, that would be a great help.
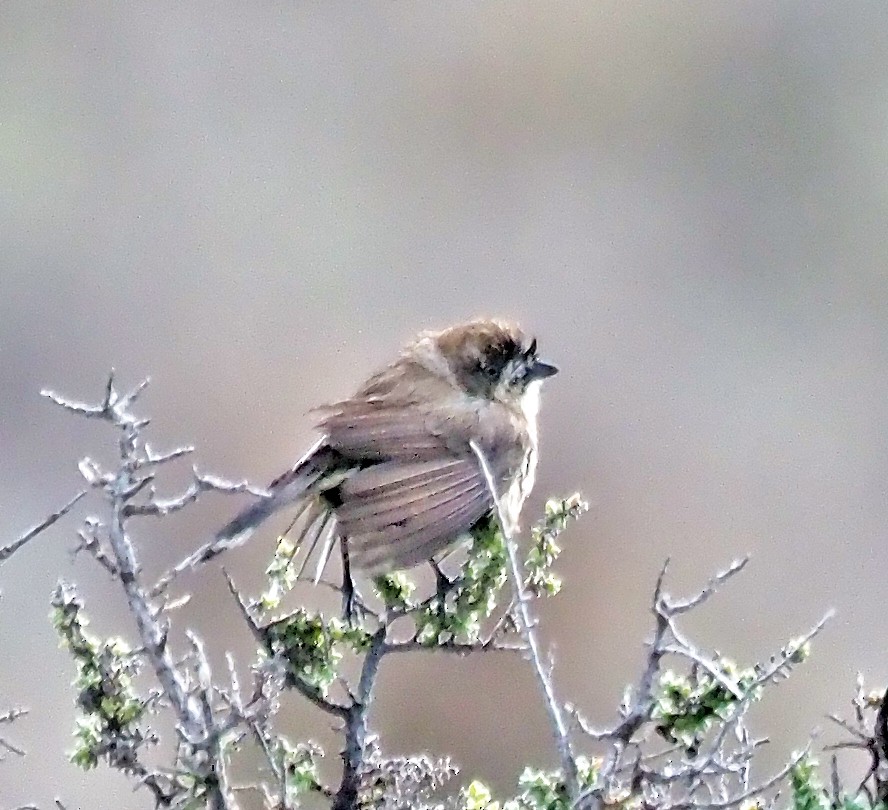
x: 188, y: 692
x: 527, y: 629
x: 199, y: 485
x: 208, y: 715
x: 869, y: 733
x: 353, y: 757
x: 699, y: 712
x: 310, y: 692
x: 7, y: 717
x: 704, y: 756
x: 8, y: 550
x: 637, y: 711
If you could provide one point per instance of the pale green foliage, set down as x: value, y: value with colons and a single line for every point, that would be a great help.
x: 540, y: 790
x: 473, y: 599
x: 544, y: 550
x: 798, y: 650
x: 106, y: 696
x: 459, y: 614
x: 807, y: 789
x: 688, y: 706
x: 280, y: 574
x: 299, y: 764
x: 395, y: 590
x: 312, y: 646
x: 87, y: 741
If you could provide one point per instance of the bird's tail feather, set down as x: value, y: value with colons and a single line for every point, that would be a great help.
x: 320, y: 529
x: 317, y: 470
x: 239, y: 530
x: 285, y: 490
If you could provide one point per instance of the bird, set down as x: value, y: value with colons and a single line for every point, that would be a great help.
x: 403, y: 469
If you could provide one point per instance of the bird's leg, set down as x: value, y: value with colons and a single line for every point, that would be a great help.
x: 443, y: 583
x: 443, y: 586
x: 352, y: 607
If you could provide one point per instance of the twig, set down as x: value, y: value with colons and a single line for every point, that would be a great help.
x: 861, y: 737
x: 454, y: 647
x: 204, y: 553
x: 157, y: 507
x: 308, y: 691
x: 642, y: 698
x: 152, y: 457
x: 684, y: 605
x: 13, y: 749
x: 356, y: 726
x: 11, y: 715
x: 89, y: 542
x: 200, y: 731
x: 692, y: 655
x: 529, y: 634
x: 781, y: 661
x: 7, y: 551
x: 739, y: 798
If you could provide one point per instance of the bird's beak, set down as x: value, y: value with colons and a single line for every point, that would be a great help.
x: 540, y: 370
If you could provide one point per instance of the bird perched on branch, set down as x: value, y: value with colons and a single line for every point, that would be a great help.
x: 396, y: 474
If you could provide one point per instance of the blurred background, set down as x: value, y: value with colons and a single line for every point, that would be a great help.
x: 257, y: 203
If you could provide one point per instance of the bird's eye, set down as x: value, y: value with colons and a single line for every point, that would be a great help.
x: 488, y: 370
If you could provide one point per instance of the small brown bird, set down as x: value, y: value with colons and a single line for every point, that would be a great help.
x: 395, y: 475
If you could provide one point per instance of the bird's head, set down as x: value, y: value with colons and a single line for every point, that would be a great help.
x: 493, y: 359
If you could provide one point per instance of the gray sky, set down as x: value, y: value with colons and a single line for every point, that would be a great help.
x: 258, y: 203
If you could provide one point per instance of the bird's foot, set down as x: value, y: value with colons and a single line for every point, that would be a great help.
x: 444, y: 585
x: 353, y: 608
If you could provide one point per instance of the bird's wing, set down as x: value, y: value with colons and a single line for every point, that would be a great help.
x: 422, y: 489
x: 364, y: 432
x: 396, y: 514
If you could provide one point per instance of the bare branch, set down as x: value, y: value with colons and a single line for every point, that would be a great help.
x: 152, y: 457
x: 157, y: 507
x: 78, y: 407
x: 10, y: 716
x: 684, y: 605
x: 780, y: 662
x: 128, y: 399
x: 692, y: 655
x: 89, y: 542
x: 200, y: 731
x: 7, y: 551
x: 855, y: 732
x: 454, y: 647
x: 739, y: 798
x: 529, y: 634
x: 356, y: 726
x: 161, y: 508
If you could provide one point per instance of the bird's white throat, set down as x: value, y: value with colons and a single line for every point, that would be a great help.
x: 530, y: 407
